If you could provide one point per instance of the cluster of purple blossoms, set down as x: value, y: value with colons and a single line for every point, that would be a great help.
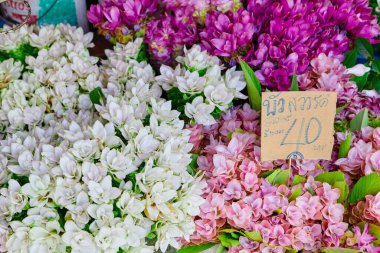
x: 122, y: 20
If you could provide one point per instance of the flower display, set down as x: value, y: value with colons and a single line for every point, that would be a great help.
x: 197, y: 87
x: 305, y: 215
x: 77, y: 177
x: 153, y: 147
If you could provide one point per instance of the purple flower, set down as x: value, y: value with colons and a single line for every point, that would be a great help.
x: 292, y: 33
x: 135, y: 10
x: 113, y: 18
x: 167, y: 36
x: 95, y: 15
x: 228, y: 34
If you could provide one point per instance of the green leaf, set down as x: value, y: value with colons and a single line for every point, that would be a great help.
x: 266, y: 173
x: 330, y: 177
x: 294, y: 86
x: 96, y: 95
x: 253, y: 236
x: 361, y: 81
x: 295, y: 194
x: 339, y: 250
x: 367, y: 185
x: 339, y: 109
x: 350, y: 58
x: 345, y: 146
x: 253, y: 86
x: 376, y: 83
x: 298, y: 180
x: 220, y: 249
x: 278, y: 177
x: 192, y: 167
x: 364, y: 47
x: 343, y: 187
x: 376, y: 66
x: 196, y: 248
x: 228, y: 241
x: 360, y: 121
x: 374, y: 123
x: 142, y: 55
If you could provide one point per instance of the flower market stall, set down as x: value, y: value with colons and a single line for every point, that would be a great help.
x: 238, y: 126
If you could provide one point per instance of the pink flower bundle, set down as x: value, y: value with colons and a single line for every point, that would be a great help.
x: 299, y: 213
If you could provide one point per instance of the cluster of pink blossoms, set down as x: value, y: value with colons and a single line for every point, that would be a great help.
x: 364, y: 155
x: 238, y: 197
x: 329, y: 74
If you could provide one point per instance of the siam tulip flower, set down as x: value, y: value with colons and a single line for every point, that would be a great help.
x: 136, y: 10
x: 292, y: 33
x: 167, y: 36
x: 113, y: 18
x: 229, y: 34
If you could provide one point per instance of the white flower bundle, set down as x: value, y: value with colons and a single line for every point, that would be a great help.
x: 199, y: 86
x: 75, y: 177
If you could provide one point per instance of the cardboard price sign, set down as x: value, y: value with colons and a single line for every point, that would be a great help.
x: 297, y: 125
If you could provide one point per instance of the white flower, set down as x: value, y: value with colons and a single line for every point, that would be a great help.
x: 80, y: 241
x: 131, y: 204
x: 78, y: 210
x: 145, y: 143
x: 191, y: 83
x: 196, y: 59
x: 19, y: 240
x: 46, y: 36
x: 84, y: 149
x: 167, y: 234
x: 9, y: 71
x: 168, y: 77
x: 200, y: 111
x: 219, y: 96
x: 103, y: 192
x: 103, y: 215
x: 66, y: 191
x: 118, y: 164
x: 3, y: 235
x: 92, y: 172
x: 235, y: 81
x: 105, y: 134
x: 68, y: 167
x: 110, y: 239
x: 37, y: 189
x: 16, y: 200
x: 134, y: 234
x: 46, y: 239
x: 358, y: 70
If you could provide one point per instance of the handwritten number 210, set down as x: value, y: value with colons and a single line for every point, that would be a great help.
x: 306, y: 137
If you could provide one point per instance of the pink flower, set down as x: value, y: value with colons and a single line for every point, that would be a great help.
x: 372, y: 163
x: 376, y: 138
x: 249, y: 181
x: 280, y: 238
x: 213, y: 208
x: 255, y: 203
x: 223, y: 167
x: 334, y: 232
x: 272, y: 203
x: 310, y: 206
x: 355, y: 158
x: 206, y: 228
x: 95, y: 15
x: 294, y: 215
x: 234, y: 190
x: 333, y: 212
x: 306, y: 237
x: 239, y: 214
x: 373, y: 206
x: 327, y: 194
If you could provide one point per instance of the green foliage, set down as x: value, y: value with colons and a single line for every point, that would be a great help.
x: 96, y: 96
x: 253, y: 86
x: 192, y: 167
x: 298, y: 180
x: 196, y: 248
x: 294, y: 86
x: 350, y: 58
x: 360, y: 121
x: 345, y: 146
x: 367, y: 185
x: 278, y: 177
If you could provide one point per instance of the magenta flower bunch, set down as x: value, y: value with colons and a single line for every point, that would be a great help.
x: 294, y: 32
x: 239, y: 198
x: 122, y: 20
